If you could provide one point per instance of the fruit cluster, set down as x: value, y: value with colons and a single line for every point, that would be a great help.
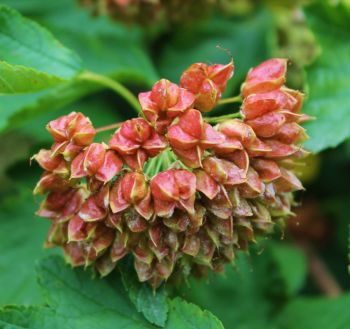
x: 177, y: 193
x: 150, y: 12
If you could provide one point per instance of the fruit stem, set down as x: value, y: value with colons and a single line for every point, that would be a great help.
x: 109, y: 127
x: 235, y: 99
x: 222, y: 117
x: 114, y: 85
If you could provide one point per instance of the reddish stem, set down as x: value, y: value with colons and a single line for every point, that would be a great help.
x: 109, y: 127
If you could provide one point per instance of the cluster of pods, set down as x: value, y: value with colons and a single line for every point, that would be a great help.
x: 207, y: 192
x: 150, y: 12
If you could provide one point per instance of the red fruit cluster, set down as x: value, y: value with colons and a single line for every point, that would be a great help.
x: 229, y: 182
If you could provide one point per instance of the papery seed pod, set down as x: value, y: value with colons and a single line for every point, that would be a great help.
x: 173, y: 188
x: 62, y: 205
x: 51, y: 182
x: 224, y: 172
x: 236, y: 129
x: 98, y: 162
x: 164, y: 102
x: 71, y: 133
x: 54, y: 164
x: 136, y: 141
x: 268, y: 76
x: 255, y: 105
x: 132, y: 189
x: 191, y: 136
x: 207, y: 83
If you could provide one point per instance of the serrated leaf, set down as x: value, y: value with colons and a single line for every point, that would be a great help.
x: 75, y: 301
x: 152, y: 304
x: 24, y: 42
x: 187, y: 315
x: 16, y: 79
x: 320, y: 313
x: 329, y: 85
x: 105, y: 48
x: 248, y: 295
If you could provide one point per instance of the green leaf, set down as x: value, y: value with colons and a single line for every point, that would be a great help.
x: 246, y: 39
x: 21, y: 243
x: 186, y: 315
x: 15, y: 110
x: 248, y: 295
x: 320, y: 313
x: 75, y: 301
x: 152, y: 304
x: 104, y: 47
x: 329, y: 85
x: 20, y: 79
x: 24, y: 42
x: 292, y: 266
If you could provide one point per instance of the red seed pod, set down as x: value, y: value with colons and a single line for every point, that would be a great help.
x: 267, y: 76
x: 240, y: 158
x: 131, y: 190
x: 164, y: 102
x: 95, y: 207
x: 223, y: 172
x: 253, y: 186
x: 220, y: 205
x: 62, y: 205
x: 206, y: 184
x: 96, y: 161
x: 54, y: 164
x: 236, y: 129
x: 136, y: 140
x: 207, y: 83
x: 80, y: 230
x: 191, y: 136
x: 291, y: 133
x: 173, y: 188
x: 74, y: 253
x: 268, y: 170
x: 280, y: 150
x: 52, y: 182
x: 255, y: 105
x: 295, y: 99
x: 268, y: 124
x: 287, y: 182
x: 71, y: 133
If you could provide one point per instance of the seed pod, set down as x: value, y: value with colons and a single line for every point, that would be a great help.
x: 165, y: 102
x: 207, y: 83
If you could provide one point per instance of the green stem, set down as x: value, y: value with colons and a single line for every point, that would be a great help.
x: 236, y: 99
x: 222, y: 117
x: 114, y: 85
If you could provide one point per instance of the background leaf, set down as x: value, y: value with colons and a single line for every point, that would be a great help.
x: 21, y: 243
x: 246, y: 39
x: 152, y: 304
x: 20, y: 79
x: 104, y: 47
x: 75, y: 300
x: 259, y: 285
x: 328, y: 80
x: 320, y: 313
x: 24, y: 42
